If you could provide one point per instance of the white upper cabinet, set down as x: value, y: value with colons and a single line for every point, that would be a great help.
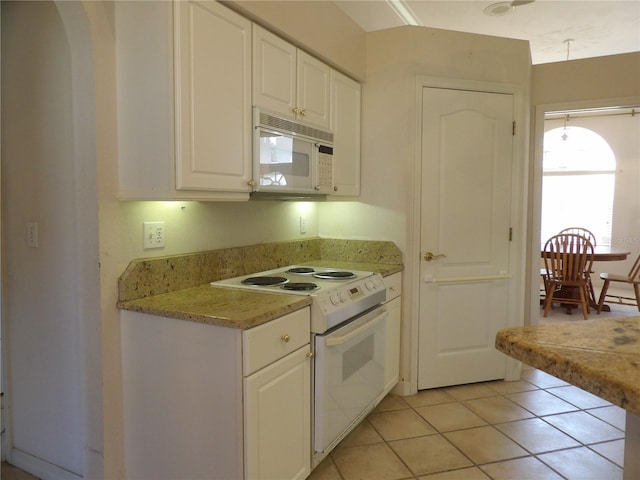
x: 213, y: 97
x: 345, y: 124
x: 184, y: 101
x: 288, y: 81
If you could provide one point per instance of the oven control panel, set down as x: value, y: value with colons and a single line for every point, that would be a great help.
x: 341, y: 303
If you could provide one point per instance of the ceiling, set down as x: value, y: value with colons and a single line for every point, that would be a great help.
x: 594, y: 28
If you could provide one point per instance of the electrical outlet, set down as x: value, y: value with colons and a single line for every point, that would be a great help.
x: 153, y: 235
x: 303, y: 224
x: 32, y: 234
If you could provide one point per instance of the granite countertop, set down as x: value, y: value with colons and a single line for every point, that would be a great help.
x: 179, y: 286
x: 601, y: 356
x: 224, y: 307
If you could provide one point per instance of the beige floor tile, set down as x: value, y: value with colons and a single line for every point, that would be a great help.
x: 542, y: 379
x: 370, y: 462
x: 485, y: 445
x: 528, y: 468
x: 450, y: 416
x: 400, y: 424
x: 363, y: 434
x: 536, y: 435
x: 505, y: 388
x: 613, y: 451
x: 9, y: 472
x: 391, y: 402
x: 541, y: 403
x: 581, y: 464
x: 497, y: 409
x: 473, y: 473
x: 584, y: 427
x: 325, y: 471
x: 429, y: 397
x: 613, y: 415
x: 473, y: 390
x: 578, y: 397
x: 429, y: 454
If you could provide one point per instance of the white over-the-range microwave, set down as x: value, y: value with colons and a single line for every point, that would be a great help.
x: 290, y: 157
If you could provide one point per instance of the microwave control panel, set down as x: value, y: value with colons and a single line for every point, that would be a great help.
x: 325, y: 169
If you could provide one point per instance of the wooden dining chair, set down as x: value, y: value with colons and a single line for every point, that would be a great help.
x: 633, y: 278
x: 568, y: 258
x: 592, y: 238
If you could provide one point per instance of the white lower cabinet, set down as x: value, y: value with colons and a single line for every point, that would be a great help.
x: 277, y: 419
x: 394, y: 307
x: 204, y: 401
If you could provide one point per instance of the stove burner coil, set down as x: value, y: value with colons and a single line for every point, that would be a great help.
x: 301, y: 270
x: 264, y: 281
x: 300, y: 286
x: 334, y: 275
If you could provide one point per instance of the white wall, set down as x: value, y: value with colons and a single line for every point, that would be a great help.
x: 41, y: 310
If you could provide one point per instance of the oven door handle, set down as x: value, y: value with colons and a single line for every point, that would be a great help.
x: 332, y: 341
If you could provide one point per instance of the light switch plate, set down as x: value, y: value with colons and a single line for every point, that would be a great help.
x: 153, y: 235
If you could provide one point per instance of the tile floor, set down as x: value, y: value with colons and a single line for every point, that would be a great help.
x: 536, y: 428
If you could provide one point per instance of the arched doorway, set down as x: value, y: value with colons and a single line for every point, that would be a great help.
x: 51, y: 310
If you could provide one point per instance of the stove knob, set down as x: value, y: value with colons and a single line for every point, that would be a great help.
x: 335, y: 299
x: 369, y: 284
x: 344, y: 297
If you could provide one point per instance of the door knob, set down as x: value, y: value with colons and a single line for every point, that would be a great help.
x: 430, y: 256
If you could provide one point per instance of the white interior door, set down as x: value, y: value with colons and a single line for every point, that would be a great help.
x: 467, y: 150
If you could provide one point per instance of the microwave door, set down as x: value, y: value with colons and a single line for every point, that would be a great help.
x: 284, y: 162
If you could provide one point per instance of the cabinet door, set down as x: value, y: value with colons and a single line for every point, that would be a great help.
x: 392, y: 368
x: 212, y: 97
x: 278, y: 419
x: 274, y: 73
x: 313, y: 90
x: 345, y: 124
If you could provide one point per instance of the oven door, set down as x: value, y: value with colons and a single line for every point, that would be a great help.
x: 349, y: 376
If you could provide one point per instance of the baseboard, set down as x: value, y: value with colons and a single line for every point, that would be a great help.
x: 402, y: 388
x: 40, y: 468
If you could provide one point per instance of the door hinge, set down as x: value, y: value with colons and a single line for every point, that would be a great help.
x: 510, y: 234
x: 513, y: 128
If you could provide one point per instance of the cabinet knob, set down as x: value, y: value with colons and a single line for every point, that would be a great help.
x: 251, y: 183
x: 296, y: 110
x: 285, y: 337
x: 303, y: 112
x: 309, y: 354
x: 335, y: 189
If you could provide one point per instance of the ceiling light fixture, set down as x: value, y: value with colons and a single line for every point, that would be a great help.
x: 405, y: 13
x: 504, y: 8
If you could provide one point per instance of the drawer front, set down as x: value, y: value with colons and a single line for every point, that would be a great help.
x: 271, y: 341
x: 394, y: 285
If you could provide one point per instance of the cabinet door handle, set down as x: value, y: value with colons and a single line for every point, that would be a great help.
x: 285, y: 337
x: 296, y: 110
x: 303, y: 112
x: 430, y: 256
x: 309, y: 354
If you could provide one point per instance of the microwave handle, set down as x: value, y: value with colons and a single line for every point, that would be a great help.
x: 335, y: 341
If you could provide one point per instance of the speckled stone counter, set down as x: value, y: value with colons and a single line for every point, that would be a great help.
x: 224, y: 307
x: 601, y: 356
x: 178, y: 286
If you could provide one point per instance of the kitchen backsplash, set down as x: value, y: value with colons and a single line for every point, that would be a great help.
x: 152, y: 276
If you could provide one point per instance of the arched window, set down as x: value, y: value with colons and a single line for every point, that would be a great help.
x: 578, y: 183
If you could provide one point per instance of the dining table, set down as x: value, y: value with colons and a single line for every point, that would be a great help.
x: 601, y: 253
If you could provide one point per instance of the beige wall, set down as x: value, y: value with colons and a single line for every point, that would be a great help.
x: 318, y: 27
x: 598, y: 78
